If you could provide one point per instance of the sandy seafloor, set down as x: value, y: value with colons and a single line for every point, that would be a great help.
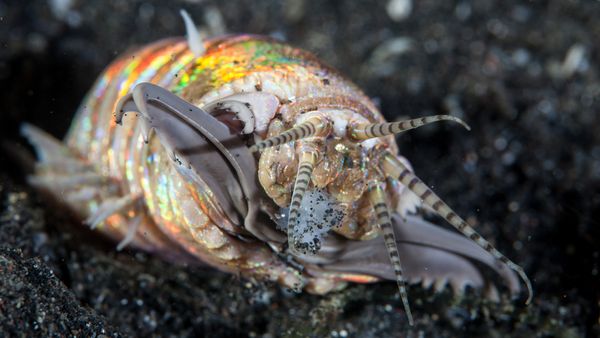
x: 524, y: 74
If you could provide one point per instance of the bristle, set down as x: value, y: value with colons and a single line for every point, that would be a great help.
x: 193, y: 36
x: 132, y: 229
x: 314, y: 126
x: 305, y: 168
x: 390, y: 128
x: 109, y: 207
x: 396, y: 169
x: 383, y: 219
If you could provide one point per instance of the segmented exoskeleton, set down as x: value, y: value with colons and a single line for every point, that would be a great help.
x: 242, y: 150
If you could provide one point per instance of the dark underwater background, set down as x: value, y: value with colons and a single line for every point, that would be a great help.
x: 523, y: 74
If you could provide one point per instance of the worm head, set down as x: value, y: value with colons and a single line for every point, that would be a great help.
x: 320, y: 155
x: 339, y: 150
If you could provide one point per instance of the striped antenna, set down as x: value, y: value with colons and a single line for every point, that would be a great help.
x: 382, y: 212
x: 314, y: 126
x: 394, y: 168
x: 390, y: 128
x: 305, y: 168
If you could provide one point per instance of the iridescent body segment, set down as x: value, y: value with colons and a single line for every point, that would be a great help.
x: 320, y: 151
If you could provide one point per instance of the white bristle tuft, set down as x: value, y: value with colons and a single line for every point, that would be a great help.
x: 193, y: 35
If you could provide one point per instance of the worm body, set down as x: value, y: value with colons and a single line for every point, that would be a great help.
x: 256, y: 158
